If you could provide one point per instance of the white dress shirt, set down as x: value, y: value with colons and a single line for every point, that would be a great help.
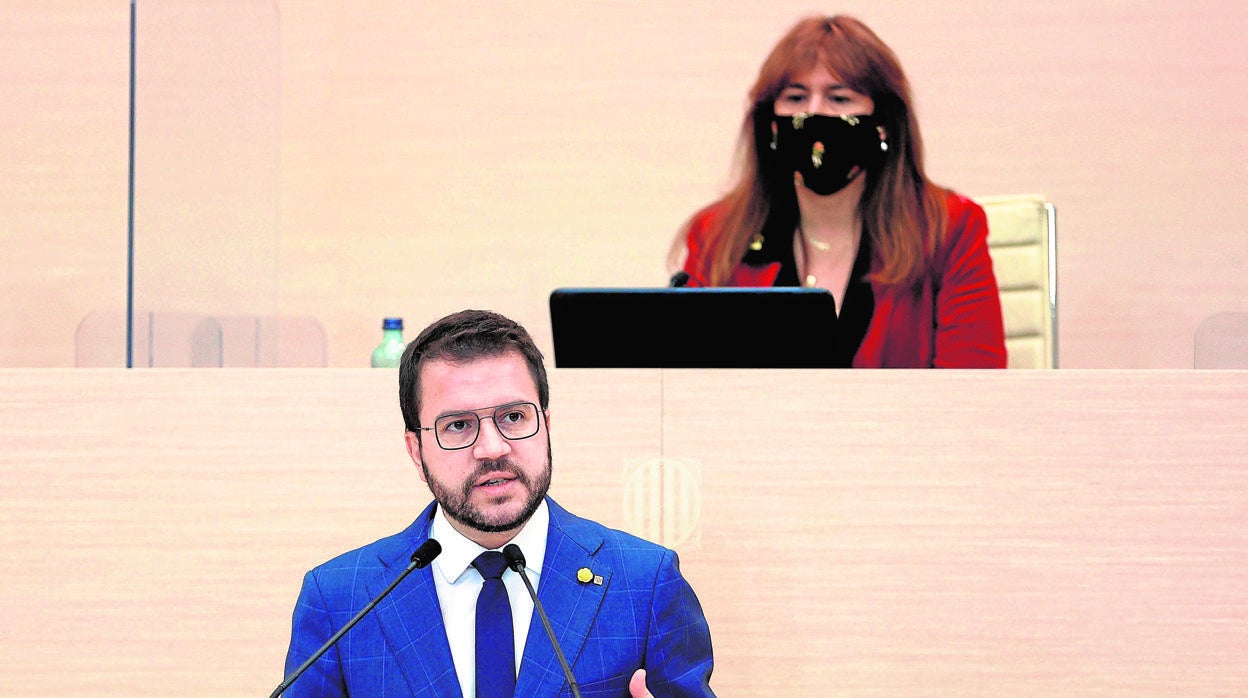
x: 458, y: 583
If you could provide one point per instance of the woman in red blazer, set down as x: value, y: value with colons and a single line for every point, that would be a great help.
x: 831, y: 193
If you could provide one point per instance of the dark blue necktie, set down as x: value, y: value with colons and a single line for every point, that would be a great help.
x: 496, y: 649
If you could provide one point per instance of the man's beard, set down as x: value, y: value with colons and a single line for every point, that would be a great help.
x: 457, y: 504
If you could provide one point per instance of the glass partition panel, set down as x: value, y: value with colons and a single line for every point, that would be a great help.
x: 207, y: 144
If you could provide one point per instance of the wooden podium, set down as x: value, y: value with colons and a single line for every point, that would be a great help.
x: 848, y: 532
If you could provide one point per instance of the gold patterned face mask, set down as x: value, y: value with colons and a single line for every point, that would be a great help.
x: 825, y: 153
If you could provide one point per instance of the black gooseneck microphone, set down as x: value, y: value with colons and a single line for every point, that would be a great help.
x: 515, y: 560
x: 678, y: 280
x: 423, y: 556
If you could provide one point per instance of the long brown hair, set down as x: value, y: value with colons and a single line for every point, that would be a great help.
x: 903, y: 212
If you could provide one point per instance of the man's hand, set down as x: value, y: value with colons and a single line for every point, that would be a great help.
x: 637, y: 685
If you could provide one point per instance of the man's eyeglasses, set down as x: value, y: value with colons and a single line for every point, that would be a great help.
x: 515, y: 421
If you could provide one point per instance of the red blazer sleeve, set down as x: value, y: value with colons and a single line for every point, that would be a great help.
x: 696, y: 240
x: 970, y: 332
x: 695, y: 243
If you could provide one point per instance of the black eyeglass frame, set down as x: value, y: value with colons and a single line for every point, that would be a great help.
x: 493, y: 417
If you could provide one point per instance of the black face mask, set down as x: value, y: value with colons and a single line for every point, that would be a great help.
x: 824, y: 153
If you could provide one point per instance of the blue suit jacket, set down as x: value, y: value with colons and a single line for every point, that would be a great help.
x: 644, y: 614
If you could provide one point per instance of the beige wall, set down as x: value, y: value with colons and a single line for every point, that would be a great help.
x: 353, y: 160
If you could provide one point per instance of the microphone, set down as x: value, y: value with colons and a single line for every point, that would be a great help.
x: 515, y: 560
x: 678, y: 279
x: 423, y: 556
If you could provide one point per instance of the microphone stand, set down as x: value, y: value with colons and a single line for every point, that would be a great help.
x: 423, y: 556
x: 515, y: 560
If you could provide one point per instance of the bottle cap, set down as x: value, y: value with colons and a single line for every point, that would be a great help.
x: 392, y: 323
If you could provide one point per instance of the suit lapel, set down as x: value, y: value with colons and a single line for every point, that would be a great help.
x: 411, y: 618
x: 570, y: 604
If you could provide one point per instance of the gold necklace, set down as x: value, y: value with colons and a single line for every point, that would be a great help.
x: 820, y: 245
x: 816, y: 243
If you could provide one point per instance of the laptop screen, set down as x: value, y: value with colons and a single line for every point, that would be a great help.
x: 765, y: 327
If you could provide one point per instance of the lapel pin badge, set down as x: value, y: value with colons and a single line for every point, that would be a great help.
x: 583, y: 575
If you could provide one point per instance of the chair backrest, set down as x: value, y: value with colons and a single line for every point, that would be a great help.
x: 272, y: 341
x: 159, y: 340
x: 195, y: 340
x: 1222, y: 341
x: 1022, y: 240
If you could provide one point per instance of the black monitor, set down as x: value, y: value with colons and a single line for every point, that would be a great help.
x: 693, y: 327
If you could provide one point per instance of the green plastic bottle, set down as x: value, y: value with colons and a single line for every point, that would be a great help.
x: 388, y: 353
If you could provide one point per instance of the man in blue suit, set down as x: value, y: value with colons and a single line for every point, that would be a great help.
x: 474, y: 395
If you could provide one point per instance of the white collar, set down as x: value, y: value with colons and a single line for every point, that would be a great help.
x: 458, y: 552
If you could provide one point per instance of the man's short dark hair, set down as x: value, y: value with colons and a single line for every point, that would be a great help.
x: 459, y: 338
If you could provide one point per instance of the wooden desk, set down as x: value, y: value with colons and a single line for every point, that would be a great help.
x: 853, y: 532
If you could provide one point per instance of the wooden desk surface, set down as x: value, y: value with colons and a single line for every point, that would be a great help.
x: 854, y: 532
